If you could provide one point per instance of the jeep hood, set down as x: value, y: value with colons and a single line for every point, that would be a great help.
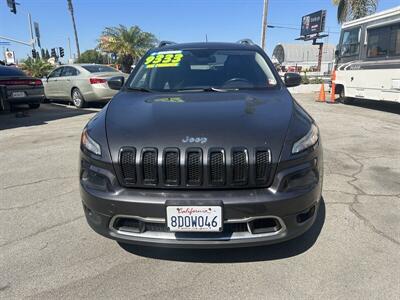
x: 225, y: 119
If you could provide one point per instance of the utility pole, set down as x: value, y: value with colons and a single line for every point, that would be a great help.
x: 31, y: 31
x: 264, y: 24
x: 71, y: 9
x: 69, y: 47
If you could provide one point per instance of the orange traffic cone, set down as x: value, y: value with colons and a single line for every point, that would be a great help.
x: 321, y: 97
x: 333, y: 93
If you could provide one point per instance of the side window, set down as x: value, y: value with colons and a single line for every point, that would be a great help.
x: 350, y: 42
x: 394, y: 48
x: 56, y: 73
x: 384, y: 41
x: 69, y: 71
x: 378, y: 42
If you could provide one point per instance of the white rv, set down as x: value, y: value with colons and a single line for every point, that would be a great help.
x: 368, y: 58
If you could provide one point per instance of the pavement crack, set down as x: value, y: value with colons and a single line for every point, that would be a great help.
x: 369, y: 224
x: 361, y: 192
x: 35, y: 182
x: 37, y: 202
x: 41, y: 231
x: 4, y: 287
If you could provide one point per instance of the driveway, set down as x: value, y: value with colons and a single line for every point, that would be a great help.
x: 48, y: 251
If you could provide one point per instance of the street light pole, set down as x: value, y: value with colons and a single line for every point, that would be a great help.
x: 31, y: 30
x: 264, y: 24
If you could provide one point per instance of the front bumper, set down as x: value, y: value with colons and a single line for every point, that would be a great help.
x: 291, y: 202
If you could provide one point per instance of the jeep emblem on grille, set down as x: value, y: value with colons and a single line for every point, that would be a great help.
x: 189, y: 139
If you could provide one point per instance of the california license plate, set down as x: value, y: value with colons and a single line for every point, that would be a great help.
x: 18, y: 94
x: 194, y: 218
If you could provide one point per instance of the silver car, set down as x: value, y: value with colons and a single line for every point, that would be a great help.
x: 80, y: 83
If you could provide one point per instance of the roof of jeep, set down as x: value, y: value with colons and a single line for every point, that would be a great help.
x: 209, y: 45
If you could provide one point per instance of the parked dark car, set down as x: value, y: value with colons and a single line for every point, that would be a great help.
x: 202, y: 147
x: 21, y: 88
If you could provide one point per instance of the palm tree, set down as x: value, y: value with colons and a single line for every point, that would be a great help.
x: 354, y: 9
x: 36, y: 67
x: 129, y: 44
x: 71, y: 10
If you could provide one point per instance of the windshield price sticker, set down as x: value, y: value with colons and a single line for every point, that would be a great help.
x: 164, y: 59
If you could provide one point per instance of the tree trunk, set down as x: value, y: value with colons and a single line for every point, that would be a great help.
x: 71, y: 9
x: 127, y: 62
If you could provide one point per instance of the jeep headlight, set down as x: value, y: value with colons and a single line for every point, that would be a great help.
x: 89, y: 144
x: 310, y: 139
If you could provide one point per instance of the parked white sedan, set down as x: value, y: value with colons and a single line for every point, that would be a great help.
x: 80, y: 83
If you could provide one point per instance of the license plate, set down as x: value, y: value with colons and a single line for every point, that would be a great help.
x: 18, y: 94
x: 194, y: 218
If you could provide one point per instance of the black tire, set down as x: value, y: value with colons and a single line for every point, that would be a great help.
x: 343, y: 98
x: 77, y: 98
x: 34, y: 105
x: 45, y: 100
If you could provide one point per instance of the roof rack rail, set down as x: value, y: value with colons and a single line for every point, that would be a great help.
x: 165, y: 43
x: 246, y: 41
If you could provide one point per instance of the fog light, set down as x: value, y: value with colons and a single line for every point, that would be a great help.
x: 305, y: 216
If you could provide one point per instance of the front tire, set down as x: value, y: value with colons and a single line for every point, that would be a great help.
x: 344, y: 99
x: 77, y: 99
x: 34, y: 105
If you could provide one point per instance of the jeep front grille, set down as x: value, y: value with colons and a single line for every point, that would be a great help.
x: 128, y: 165
x: 171, y: 167
x: 149, y: 164
x: 217, y: 167
x: 195, y: 168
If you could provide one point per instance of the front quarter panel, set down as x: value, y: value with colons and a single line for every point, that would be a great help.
x: 96, y: 129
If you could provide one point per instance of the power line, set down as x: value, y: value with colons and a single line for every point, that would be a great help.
x: 293, y: 28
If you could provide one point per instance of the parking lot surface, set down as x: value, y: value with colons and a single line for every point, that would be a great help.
x: 48, y: 251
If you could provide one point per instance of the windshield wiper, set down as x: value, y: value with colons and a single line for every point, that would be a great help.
x: 209, y: 89
x: 139, y: 89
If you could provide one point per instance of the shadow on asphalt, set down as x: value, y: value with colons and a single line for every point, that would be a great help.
x: 261, y: 253
x: 21, y: 116
x: 384, y: 106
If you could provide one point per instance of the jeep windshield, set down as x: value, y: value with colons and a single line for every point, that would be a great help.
x: 199, y: 70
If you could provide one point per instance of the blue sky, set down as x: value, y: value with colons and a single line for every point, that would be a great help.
x: 176, y: 20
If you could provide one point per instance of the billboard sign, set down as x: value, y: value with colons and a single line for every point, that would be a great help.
x: 10, y: 57
x: 313, y: 23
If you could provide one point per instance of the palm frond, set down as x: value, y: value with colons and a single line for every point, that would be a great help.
x: 354, y: 9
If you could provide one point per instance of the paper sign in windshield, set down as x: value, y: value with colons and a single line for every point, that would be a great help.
x: 163, y: 59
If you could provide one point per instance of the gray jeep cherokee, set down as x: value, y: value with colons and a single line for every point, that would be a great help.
x: 202, y: 147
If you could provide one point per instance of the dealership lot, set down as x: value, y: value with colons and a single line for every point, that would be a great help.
x: 47, y: 250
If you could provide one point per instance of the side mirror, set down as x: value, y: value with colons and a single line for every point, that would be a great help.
x: 337, y: 53
x: 292, y: 79
x: 116, y: 83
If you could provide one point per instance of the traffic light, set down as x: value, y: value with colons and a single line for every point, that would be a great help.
x: 61, y: 51
x: 12, y: 5
x: 34, y: 53
x: 53, y: 52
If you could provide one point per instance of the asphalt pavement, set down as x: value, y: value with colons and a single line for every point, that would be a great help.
x: 47, y: 251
